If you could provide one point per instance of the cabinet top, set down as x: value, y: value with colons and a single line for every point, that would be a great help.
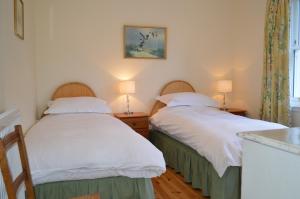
x: 287, y: 139
x: 132, y: 115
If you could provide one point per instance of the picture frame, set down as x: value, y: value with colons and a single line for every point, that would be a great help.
x: 19, y: 18
x: 145, y: 42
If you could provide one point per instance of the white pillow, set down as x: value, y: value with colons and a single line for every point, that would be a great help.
x: 78, y: 105
x: 187, y: 99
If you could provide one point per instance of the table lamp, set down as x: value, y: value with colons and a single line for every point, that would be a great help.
x: 127, y: 87
x: 224, y: 86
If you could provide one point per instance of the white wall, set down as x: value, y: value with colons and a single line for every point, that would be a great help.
x: 75, y: 41
x: 207, y: 40
x: 78, y: 41
x: 248, y: 54
x: 17, y: 84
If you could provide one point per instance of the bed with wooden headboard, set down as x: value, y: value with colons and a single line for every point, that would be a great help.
x: 196, y: 169
x: 71, y: 89
x: 176, y: 86
x: 108, y: 187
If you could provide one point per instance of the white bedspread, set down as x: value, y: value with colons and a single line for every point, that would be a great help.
x: 88, y: 146
x: 211, y: 132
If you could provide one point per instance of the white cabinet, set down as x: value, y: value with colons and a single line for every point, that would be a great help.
x: 271, y: 165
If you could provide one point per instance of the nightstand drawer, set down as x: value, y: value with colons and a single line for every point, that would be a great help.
x: 143, y: 132
x: 236, y: 111
x: 242, y: 113
x: 137, y: 123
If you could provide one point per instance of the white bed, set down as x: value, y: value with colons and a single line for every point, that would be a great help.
x: 211, y: 132
x: 79, y: 146
x: 88, y: 146
x: 185, y: 116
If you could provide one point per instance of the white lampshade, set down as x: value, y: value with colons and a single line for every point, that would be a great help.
x: 127, y: 87
x: 224, y: 86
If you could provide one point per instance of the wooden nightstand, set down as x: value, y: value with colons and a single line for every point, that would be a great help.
x: 237, y: 111
x: 137, y: 121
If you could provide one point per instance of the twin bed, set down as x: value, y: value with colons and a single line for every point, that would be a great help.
x: 201, y: 143
x: 77, y: 154
x: 83, y: 153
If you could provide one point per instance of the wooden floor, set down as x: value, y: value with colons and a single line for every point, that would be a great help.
x: 172, y: 186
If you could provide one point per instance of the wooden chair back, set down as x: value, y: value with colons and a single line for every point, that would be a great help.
x: 12, y: 186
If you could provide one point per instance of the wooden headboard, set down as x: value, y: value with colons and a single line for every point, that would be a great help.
x: 73, y: 89
x: 176, y: 86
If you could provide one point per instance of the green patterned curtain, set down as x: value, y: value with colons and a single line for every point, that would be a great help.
x: 276, y: 90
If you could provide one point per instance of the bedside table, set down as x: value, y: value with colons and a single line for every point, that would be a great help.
x: 138, y: 121
x: 236, y: 111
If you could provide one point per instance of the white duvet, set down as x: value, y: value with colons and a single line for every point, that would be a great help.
x: 88, y: 146
x: 211, y: 132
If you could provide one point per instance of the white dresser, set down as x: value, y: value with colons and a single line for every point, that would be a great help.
x: 271, y: 164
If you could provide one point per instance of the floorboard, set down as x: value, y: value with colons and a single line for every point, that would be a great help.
x: 172, y: 186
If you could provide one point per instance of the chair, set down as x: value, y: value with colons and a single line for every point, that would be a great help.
x: 11, y: 185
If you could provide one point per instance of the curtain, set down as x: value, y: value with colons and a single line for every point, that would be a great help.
x: 276, y: 91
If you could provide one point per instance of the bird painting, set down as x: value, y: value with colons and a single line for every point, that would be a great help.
x: 144, y: 38
x: 145, y: 42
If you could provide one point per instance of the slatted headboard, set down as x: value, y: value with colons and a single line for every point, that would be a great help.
x: 73, y: 89
x: 176, y: 86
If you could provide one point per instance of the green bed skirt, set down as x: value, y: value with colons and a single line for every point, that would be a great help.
x: 197, y: 170
x: 109, y: 188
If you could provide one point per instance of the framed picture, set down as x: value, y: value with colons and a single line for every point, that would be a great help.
x: 145, y: 42
x: 19, y: 18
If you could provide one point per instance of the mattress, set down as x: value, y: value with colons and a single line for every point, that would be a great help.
x: 81, y: 146
x: 209, y: 131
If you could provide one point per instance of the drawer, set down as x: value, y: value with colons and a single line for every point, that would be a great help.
x: 239, y: 113
x: 137, y: 123
x: 143, y: 132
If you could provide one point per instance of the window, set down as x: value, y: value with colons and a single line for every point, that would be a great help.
x: 295, y: 52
